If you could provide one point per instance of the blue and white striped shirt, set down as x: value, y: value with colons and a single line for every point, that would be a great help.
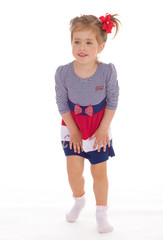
x: 88, y: 91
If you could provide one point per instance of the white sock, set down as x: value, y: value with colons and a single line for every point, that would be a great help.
x: 73, y: 215
x: 101, y: 217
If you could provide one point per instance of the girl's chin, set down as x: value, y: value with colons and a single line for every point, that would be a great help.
x: 85, y: 60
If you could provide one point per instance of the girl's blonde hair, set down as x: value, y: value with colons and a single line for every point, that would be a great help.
x: 91, y: 22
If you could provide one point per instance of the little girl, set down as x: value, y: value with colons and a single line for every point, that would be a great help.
x: 87, y: 97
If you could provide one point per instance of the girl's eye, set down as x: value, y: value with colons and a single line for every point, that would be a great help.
x: 77, y: 42
x: 89, y: 43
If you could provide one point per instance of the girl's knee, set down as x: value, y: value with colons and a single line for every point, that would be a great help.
x: 99, y: 171
x: 75, y: 168
x: 75, y: 175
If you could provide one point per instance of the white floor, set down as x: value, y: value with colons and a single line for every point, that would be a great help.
x: 47, y: 223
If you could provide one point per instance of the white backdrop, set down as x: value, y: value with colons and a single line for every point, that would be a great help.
x: 34, y: 41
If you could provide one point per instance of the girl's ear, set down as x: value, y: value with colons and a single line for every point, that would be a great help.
x: 101, y: 47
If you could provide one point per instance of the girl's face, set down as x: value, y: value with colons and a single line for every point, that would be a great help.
x: 85, y: 46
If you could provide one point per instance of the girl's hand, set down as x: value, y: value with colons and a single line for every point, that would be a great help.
x: 102, y: 137
x: 76, y: 140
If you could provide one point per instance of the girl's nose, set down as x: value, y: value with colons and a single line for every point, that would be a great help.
x: 82, y: 47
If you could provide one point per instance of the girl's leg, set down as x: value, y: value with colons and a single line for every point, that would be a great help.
x: 100, y: 186
x: 75, y: 167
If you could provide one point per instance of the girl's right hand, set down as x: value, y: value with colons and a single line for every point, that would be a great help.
x: 76, y: 141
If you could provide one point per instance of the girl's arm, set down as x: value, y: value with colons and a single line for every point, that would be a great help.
x: 112, y: 94
x: 106, y: 120
x: 75, y: 133
x: 101, y: 134
x: 62, y: 102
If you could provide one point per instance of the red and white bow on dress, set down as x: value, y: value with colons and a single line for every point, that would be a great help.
x: 88, y: 110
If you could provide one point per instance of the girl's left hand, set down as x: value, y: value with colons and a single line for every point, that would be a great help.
x: 102, y: 137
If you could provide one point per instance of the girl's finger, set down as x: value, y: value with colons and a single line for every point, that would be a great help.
x: 95, y: 145
x: 99, y: 146
x: 74, y: 147
x: 81, y: 146
x: 108, y: 141
x: 92, y: 137
x: 70, y: 145
x: 104, y: 146
x: 78, y: 148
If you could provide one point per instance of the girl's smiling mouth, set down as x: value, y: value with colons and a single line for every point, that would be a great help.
x: 82, y: 55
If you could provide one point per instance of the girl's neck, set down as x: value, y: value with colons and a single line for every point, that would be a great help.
x: 85, y: 70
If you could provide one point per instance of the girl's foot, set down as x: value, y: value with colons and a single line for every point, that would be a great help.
x: 73, y: 215
x: 101, y: 218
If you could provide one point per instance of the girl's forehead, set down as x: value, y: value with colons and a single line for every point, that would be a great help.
x: 84, y: 34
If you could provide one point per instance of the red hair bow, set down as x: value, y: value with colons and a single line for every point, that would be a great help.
x: 108, y: 24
